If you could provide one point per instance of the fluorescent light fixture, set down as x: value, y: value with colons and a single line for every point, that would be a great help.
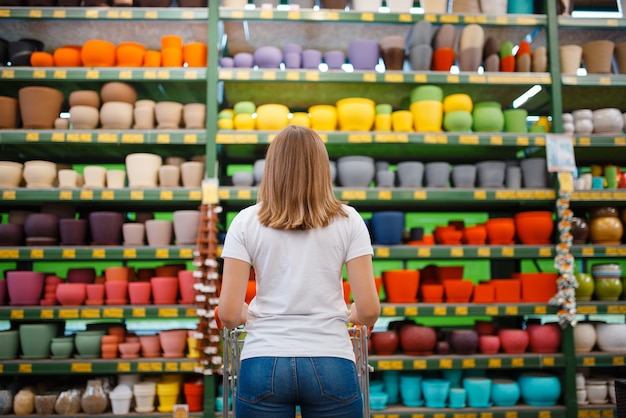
x: 531, y: 92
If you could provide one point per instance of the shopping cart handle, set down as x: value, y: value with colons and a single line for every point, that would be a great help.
x: 217, y: 319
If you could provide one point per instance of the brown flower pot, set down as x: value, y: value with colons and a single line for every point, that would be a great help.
x: 8, y: 112
x: 39, y: 106
x: 598, y: 56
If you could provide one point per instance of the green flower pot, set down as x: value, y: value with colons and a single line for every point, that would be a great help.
x: 9, y: 344
x: 586, y: 286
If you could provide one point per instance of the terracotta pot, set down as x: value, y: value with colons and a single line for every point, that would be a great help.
x: 489, y: 344
x: 117, y: 273
x: 116, y: 292
x: 186, y: 280
x: 98, y: 53
x: 8, y: 112
x: 39, y: 106
x: 24, y: 287
x: 570, y: 58
x: 418, y: 340
x: 514, y: 341
x: 117, y: 91
x: 150, y: 345
x: 194, y: 115
x: 106, y: 227
x: 500, y: 231
x: 143, y: 169
x: 537, y: 287
x: 95, y: 293
x: 464, y: 341
x: 164, y: 290
x: 385, y: 343
x: 192, y: 173
x: 173, y: 342
x: 73, y: 231
x: 534, y: 227
x: 71, y: 294
x: 168, y: 114
x: 544, y: 338
x: 598, y: 56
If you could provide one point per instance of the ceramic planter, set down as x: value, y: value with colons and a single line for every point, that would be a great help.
x: 84, y: 117
x: 71, y: 294
x: 437, y: 174
x: 186, y: 226
x: 388, y: 227
x: 144, y: 393
x: 106, y: 227
x: 534, y: 227
x: 434, y: 6
x: 494, y: 7
x: 116, y: 115
x: 35, y: 339
x: 194, y: 115
x: 150, y: 345
x: 9, y: 344
x: 168, y: 114
x: 39, y: 174
x: 570, y: 58
x: 401, y: 286
x: 98, y: 53
x: 363, y: 54
x: 417, y: 340
x: 8, y: 112
x: 173, y: 342
x: 142, y: 169
x: 355, y: 171
x: 186, y: 280
x: 544, y: 338
x: 39, y: 225
x: 488, y: 117
x: 490, y: 173
x: 133, y: 233
x: 514, y: 341
x: 192, y: 173
x: 169, y: 175
x: 159, y: 232
x: 164, y: 290
x: 463, y: 175
x: 11, y: 235
x: 385, y: 343
x: 116, y: 292
x: 598, y: 56
x: 268, y: 57
x: 94, y: 176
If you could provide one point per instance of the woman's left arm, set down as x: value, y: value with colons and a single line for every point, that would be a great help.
x: 233, y: 311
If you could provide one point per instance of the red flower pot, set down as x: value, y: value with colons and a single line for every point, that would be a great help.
x: 81, y: 275
x: 458, y: 291
x: 537, y: 287
x: 24, y: 287
x: 513, y: 341
x: 117, y: 292
x: 418, y: 340
x: 71, y: 294
x: 173, y: 342
x: 489, y: 344
x: 194, y: 395
x: 485, y: 327
x: 164, y: 290
x: 500, y: 231
x: 139, y: 293
x: 534, y: 227
x: 186, y: 280
x: 544, y: 338
x: 443, y: 59
x: 385, y: 343
x: 507, y: 290
x: 150, y: 345
x: 95, y: 293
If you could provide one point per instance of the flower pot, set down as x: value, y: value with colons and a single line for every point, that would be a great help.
x: 24, y: 287
x: 144, y: 393
x: 117, y: 91
x: 570, y: 58
x: 8, y: 112
x: 143, y: 114
x: 186, y: 280
x: 150, y: 345
x: 544, y: 338
x: 539, y: 389
x: 488, y: 117
x: 434, y: 6
x: 81, y: 275
x: 39, y: 106
x: 98, y: 53
x: 39, y: 174
x: 494, y: 7
x: 35, y: 339
x: 598, y: 56
x: 11, y: 235
x: 272, y: 117
x: 388, y: 227
x: 95, y: 294
x: 401, y: 286
x: 67, y: 178
x: 142, y: 169
x: 411, y: 389
x: 464, y: 341
x: 159, y: 232
x: 129, y: 54
x: 463, y: 175
x: 355, y: 171
x: 94, y: 177
x: 420, y: 57
x: 186, y: 223
x: 194, y: 395
x: 116, y: 292
x: 323, y: 117
x: 106, y: 227
x: 116, y: 115
x: 534, y: 173
x: 71, y: 294
x: 385, y: 343
x: 610, y: 337
x: 164, y: 290
x: 505, y: 392
x: 121, y: 397
x: 84, y: 117
x: 489, y: 344
x: 67, y: 55
x: 478, y: 391
x: 9, y: 344
x: 620, y: 57
x: 490, y: 173
x: 194, y: 115
x: 363, y: 54
x: 192, y: 173
x: 427, y: 115
x: 173, y: 342
x: 41, y: 225
x: 334, y: 59
x: 417, y: 340
x: 168, y: 114
x: 513, y: 341
x: 586, y: 286
x: 534, y: 227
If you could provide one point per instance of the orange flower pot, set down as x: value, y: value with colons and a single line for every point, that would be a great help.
x: 98, y: 53
x: 130, y: 54
x: 195, y: 54
x: 475, y: 235
x: 443, y: 59
x: 484, y: 293
x: 41, y: 59
x: 500, y: 231
x: 67, y: 56
x: 401, y: 285
x: 507, y: 290
x: 172, y: 57
x: 507, y: 64
x: 458, y: 291
x: 432, y: 293
x: 534, y: 227
x: 152, y: 59
x: 449, y: 273
x: 250, y: 290
x: 537, y: 287
x: 171, y: 41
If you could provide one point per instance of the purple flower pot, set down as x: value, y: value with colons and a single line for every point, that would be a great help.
x: 227, y: 62
x: 24, y: 287
x: 243, y: 60
x: 311, y: 58
x: 334, y: 59
x: 292, y: 48
x: 11, y: 234
x: 363, y: 54
x: 41, y: 225
x: 73, y: 231
x: 106, y: 228
x: 268, y: 57
x: 293, y: 59
x: 81, y: 275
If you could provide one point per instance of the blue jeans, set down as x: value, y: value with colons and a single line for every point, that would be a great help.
x: 323, y: 387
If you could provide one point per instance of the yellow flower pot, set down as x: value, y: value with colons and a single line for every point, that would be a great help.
x: 323, y: 117
x: 427, y: 115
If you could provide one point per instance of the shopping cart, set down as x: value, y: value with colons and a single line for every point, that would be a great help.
x: 233, y: 340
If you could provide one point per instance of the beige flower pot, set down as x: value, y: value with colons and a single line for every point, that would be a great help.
x: 570, y: 58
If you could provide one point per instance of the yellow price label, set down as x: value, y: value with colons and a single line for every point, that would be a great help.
x: 17, y: 314
x: 445, y: 363
x: 618, y: 361
x: 66, y: 195
x: 98, y: 253
x: 138, y: 313
x: 143, y: 367
x: 129, y: 253
x: 511, y: 310
x: 171, y: 366
x: 136, y: 195
x: 484, y: 252
x: 385, y: 195
x: 90, y: 313
x: 541, y: 310
x: 390, y: 365
x: 36, y: 253
x: 508, y: 252
x: 388, y: 311
x: 185, y: 253
x: 494, y: 363
x: 46, y: 314
x: 410, y: 311
x: 8, y: 195
x: 68, y: 314
x: 469, y: 363
x: 423, y: 252
x: 113, y: 313
x: 25, y: 368
x: 166, y: 195
x: 492, y: 310
x: 86, y: 195
x: 510, y: 414
x: 419, y: 364
x: 548, y: 361
x: 80, y: 368
x: 123, y: 367
x: 156, y: 366
x: 68, y: 253
x: 382, y: 252
x: 461, y: 311
x: 8, y: 254
x: 167, y: 313
x: 456, y: 252
x: 440, y: 310
x: 107, y: 195
x: 162, y: 253
x: 517, y: 362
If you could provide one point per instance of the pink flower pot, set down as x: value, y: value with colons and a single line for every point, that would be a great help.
x: 489, y: 344
x: 71, y: 294
x: 150, y: 345
x: 544, y: 338
x: 117, y: 292
x: 185, y: 284
x: 513, y: 341
x: 173, y: 342
x: 164, y: 290
x: 95, y: 293
x: 139, y: 293
x: 24, y: 287
x: 81, y: 275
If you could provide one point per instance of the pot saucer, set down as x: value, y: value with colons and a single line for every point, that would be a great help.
x: 583, y: 403
x: 59, y: 357
x: 86, y: 356
x: 32, y: 357
x: 599, y: 403
x: 144, y: 410
x: 463, y: 405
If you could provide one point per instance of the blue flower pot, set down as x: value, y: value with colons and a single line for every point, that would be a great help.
x: 388, y: 227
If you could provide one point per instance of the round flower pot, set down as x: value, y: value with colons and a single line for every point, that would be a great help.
x: 139, y: 293
x: 505, y: 392
x: 11, y: 235
x: 544, y: 338
x: 71, y: 294
x: 24, y: 287
x: 464, y: 341
x: 168, y: 114
x: 488, y: 117
x: 418, y: 340
x: 355, y: 171
x: 150, y: 345
x: 117, y: 91
x: 84, y: 117
x: 539, y: 389
x: 41, y: 225
x: 164, y: 290
x: 106, y: 227
x: 159, y: 232
x: 489, y: 344
x: 534, y: 227
x: 387, y: 227
x: 8, y: 112
x: 173, y: 342
x: 186, y: 280
x: 584, y: 337
x: 98, y: 53
x: 586, y: 286
x: 90, y: 98
x: 35, y: 339
x: 116, y: 115
x: 385, y: 343
x: 514, y: 341
x: 39, y: 174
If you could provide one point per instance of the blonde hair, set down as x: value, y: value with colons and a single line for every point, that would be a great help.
x: 296, y: 192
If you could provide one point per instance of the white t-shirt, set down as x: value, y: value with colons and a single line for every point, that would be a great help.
x: 299, y: 309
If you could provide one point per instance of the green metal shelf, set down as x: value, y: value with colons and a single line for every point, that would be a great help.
x: 604, y: 141
x: 330, y: 16
x: 462, y: 252
x: 600, y: 307
x: 615, y: 196
x: 517, y: 411
x: 102, y: 13
x: 475, y: 361
x: 102, y: 136
x: 595, y: 80
x: 600, y: 359
x: 588, y: 23
x: 370, y: 77
x: 90, y: 253
x: 179, y: 195
x: 465, y: 309
x: 98, y: 312
x: 75, y: 366
x: 129, y: 74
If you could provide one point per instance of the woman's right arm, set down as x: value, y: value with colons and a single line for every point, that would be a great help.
x: 366, y: 307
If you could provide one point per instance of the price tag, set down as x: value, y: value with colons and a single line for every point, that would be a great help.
x: 410, y: 311
x: 419, y: 364
x: 456, y: 252
x: 143, y: 367
x: 36, y: 253
x: 423, y: 252
x: 545, y: 252
x: 68, y: 253
x: 245, y: 194
x: 547, y: 361
x: 81, y: 368
x: 92, y: 75
x: 187, y: 367
x: 25, y: 368
x: 420, y: 195
x: 390, y: 365
x: 492, y: 310
x: 107, y: 195
x: 171, y: 367
x: 494, y: 363
x: 185, y: 253
x: 113, y: 313
x: 517, y: 362
x: 445, y: 363
x: 8, y: 195
x: 510, y: 414
x: 382, y: 252
x: 469, y: 139
x: 136, y: 195
x: 469, y: 363
x: 9, y: 254
x: 138, y: 313
x: 86, y: 195
x: 460, y: 311
x: 385, y: 195
x: 156, y: 366
x: 508, y: 252
x: 17, y: 314
x: 541, y: 310
x: 511, y: 310
x: 166, y: 195
x: 195, y: 195
x: 46, y: 314
x: 68, y: 313
x: 388, y: 311
x: 394, y: 78
x: 129, y: 253
x: 98, y: 253
x: 360, y: 138
x: 35, y: 13
x: 190, y: 139
x: 484, y: 252
x: 123, y: 367
x: 354, y: 195
x: 90, y: 313
x: 163, y: 139
x: 440, y: 311
x: 618, y: 361
x: 125, y: 75
x: 162, y: 253
x: 167, y: 313
x: 587, y: 310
